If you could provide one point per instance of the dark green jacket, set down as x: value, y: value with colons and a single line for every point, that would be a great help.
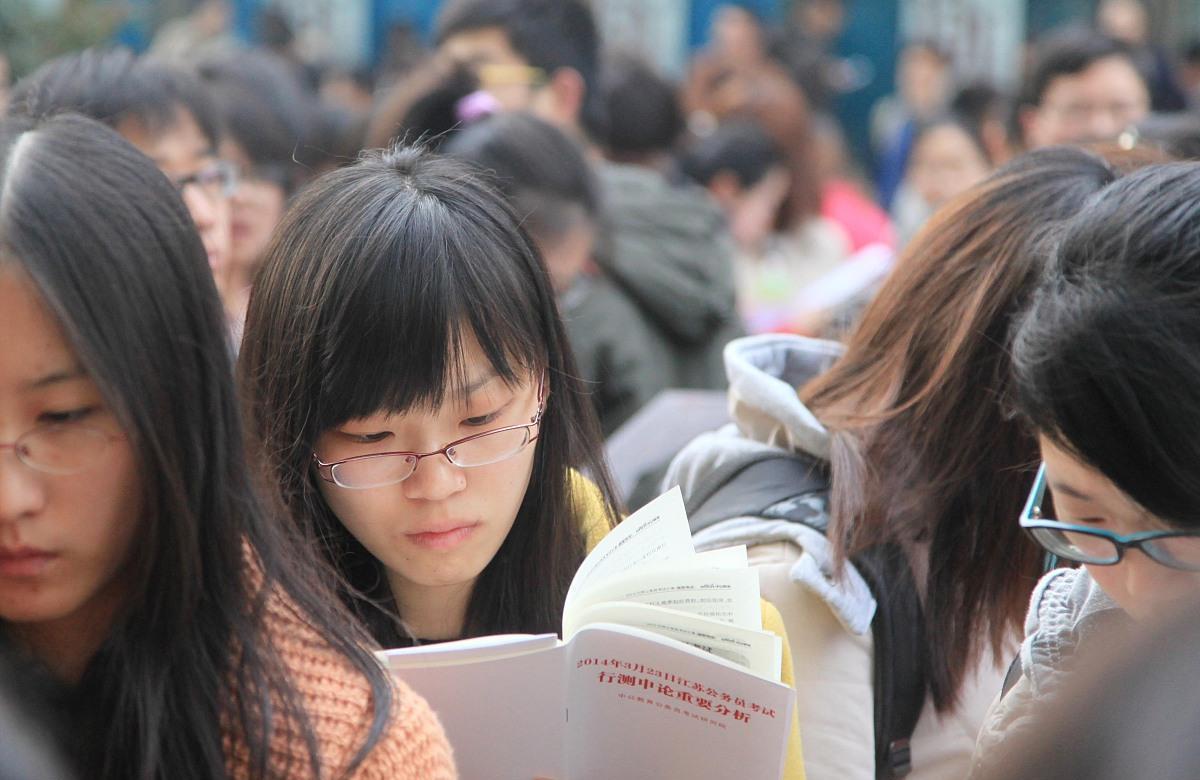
x: 668, y: 249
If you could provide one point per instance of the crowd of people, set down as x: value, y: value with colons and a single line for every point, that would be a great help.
x: 298, y: 365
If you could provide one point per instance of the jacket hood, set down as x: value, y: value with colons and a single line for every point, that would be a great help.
x: 764, y: 372
x: 669, y: 248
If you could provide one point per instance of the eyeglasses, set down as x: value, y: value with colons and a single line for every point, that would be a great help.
x: 61, y: 448
x: 264, y: 173
x: 388, y: 468
x: 217, y: 180
x: 1119, y: 112
x: 1175, y: 549
x: 496, y: 75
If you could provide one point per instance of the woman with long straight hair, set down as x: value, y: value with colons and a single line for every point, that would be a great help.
x: 911, y: 423
x: 409, y: 382
x: 180, y: 632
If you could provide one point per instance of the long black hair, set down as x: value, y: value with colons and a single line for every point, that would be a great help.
x: 110, y: 247
x: 375, y: 280
x: 1107, y: 358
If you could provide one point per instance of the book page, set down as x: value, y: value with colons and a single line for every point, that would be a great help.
x: 725, y: 595
x: 641, y: 706
x: 759, y: 651
x: 466, y: 651
x: 657, y: 532
x: 505, y: 717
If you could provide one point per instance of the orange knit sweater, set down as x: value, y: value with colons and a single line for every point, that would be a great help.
x: 338, y: 701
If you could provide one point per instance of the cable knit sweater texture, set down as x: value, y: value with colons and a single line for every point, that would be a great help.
x: 338, y: 701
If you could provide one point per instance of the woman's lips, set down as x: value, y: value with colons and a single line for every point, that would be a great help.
x: 444, y: 539
x: 24, y: 562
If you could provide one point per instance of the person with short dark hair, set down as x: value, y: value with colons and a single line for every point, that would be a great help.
x: 161, y: 110
x: 1107, y: 370
x: 645, y: 118
x: 666, y: 245
x: 1081, y: 87
x: 536, y: 55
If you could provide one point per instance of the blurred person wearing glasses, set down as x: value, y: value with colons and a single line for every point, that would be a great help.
x: 161, y: 110
x: 1082, y: 87
x: 666, y: 245
x: 1107, y: 365
x: 266, y: 114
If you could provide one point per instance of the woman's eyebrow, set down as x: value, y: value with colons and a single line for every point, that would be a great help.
x: 476, y: 384
x: 56, y: 377
x: 1066, y: 490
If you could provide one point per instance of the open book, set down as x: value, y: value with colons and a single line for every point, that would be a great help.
x: 665, y: 671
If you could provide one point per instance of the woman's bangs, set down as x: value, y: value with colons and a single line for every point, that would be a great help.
x: 401, y: 333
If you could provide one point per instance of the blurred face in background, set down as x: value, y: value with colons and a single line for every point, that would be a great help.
x: 738, y: 38
x: 187, y: 157
x: 945, y: 162
x: 257, y: 205
x: 567, y: 252
x: 515, y: 84
x: 924, y: 80
x: 1124, y: 20
x: 1096, y: 104
x: 502, y: 72
x: 751, y: 210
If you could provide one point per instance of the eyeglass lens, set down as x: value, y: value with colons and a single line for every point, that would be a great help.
x: 383, y: 470
x: 1180, y: 552
x: 61, y: 449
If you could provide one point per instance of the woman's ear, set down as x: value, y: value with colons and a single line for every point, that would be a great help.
x: 565, y: 93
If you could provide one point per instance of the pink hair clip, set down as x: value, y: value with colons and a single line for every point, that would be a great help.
x: 476, y: 106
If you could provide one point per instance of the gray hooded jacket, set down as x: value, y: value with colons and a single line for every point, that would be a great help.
x: 1067, y: 611
x: 764, y: 372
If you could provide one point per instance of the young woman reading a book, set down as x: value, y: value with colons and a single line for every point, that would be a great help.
x: 911, y: 421
x: 176, y: 631
x: 1107, y: 364
x: 408, y: 379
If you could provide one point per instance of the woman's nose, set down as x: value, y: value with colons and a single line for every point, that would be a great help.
x: 435, y: 479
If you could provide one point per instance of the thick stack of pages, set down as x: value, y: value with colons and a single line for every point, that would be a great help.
x: 665, y: 671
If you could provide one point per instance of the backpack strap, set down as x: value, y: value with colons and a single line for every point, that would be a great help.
x: 758, y: 487
x: 899, y: 661
x: 771, y: 485
x: 1012, y: 676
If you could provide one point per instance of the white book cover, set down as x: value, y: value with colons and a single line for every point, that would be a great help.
x: 665, y: 671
